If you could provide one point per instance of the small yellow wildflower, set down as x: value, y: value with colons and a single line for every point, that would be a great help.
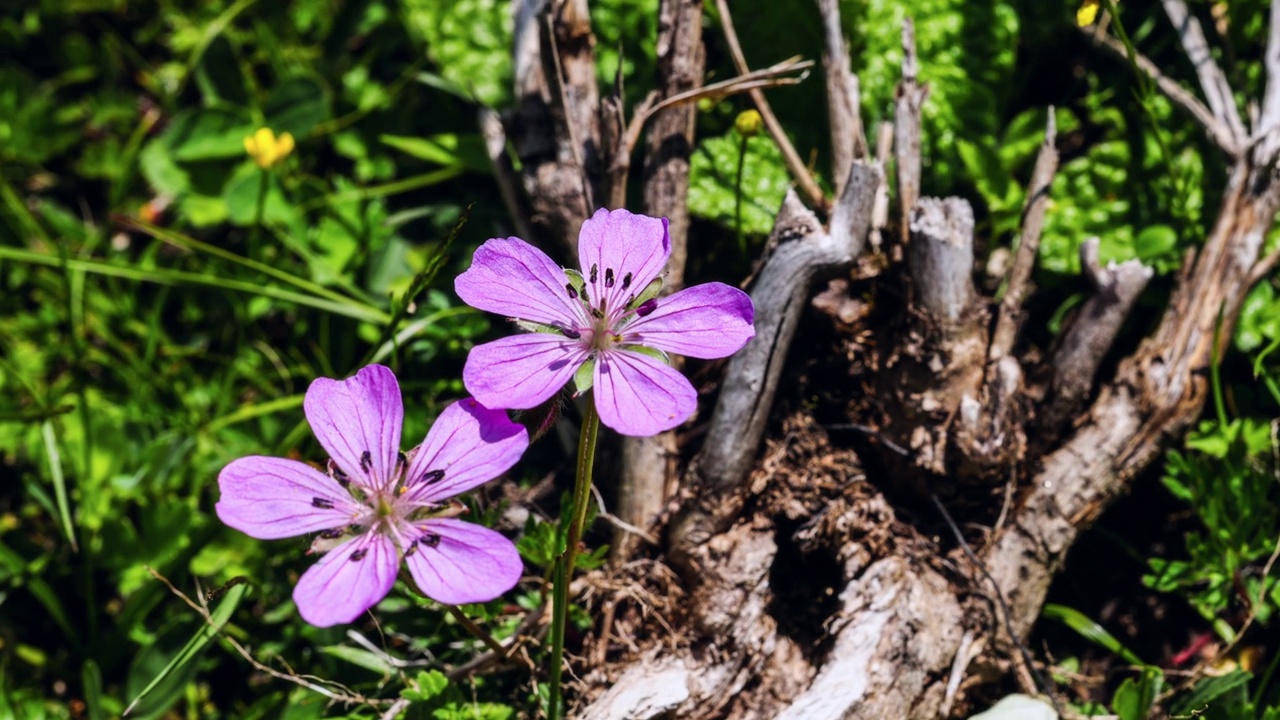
x: 748, y: 123
x: 1087, y: 13
x: 266, y: 149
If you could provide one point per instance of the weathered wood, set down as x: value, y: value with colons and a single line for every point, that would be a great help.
x: 1092, y: 333
x: 649, y: 464
x: 804, y: 251
x: 844, y: 113
x: 906, y: 129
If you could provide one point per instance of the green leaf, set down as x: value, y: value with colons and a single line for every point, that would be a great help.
x: 360, y: 658
x: 427, y: 686
x: 449, y: 149
x: 1089, y: 629
x: 180, y: 660
x: 1135, y: 696
x: 296, y: 106
x: 1208, y: 690
x: 208, y: 134
x: 713, y: 184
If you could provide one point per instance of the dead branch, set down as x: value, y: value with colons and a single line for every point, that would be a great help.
x: 906, y: 129
x: 803, y: 252
x: 1089, y: 339
x: 848, y: 142
x: 1221, y: 99
x: 1017, y: 286
x: 1218, y: 132
x: 941, y: 257
x: 649, y: 464
x: 799, y: 172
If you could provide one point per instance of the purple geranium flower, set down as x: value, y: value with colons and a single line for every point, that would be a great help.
x: 378, y: 505
x: 605, y: 327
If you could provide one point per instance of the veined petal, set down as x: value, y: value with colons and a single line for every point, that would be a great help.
x: 457, y: 562
x: 348, y: 580
x: 358, y: 422
x: 627, y: 252
x: 468, y: 445
x: 513, y: 278
x: 521, y: 371
x: 270, y: 498
x: 638, y: 395
x: 705, y: 321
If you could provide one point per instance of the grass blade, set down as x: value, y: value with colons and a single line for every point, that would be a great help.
x: 59, y: 482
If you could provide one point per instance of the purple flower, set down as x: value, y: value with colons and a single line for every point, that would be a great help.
x: 605, y: 327
x: 378, y: 505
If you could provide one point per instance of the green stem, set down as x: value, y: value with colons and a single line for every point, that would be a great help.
x: 565, y: 563
x: 737, y: 197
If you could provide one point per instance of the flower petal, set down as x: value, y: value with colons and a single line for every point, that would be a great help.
x: 638, y: 395
x: 627, y: 252
x: 521, y: 371
x: 359, y: 415
x: 468, y: 445
x: 704, y: 321
x: 456, y: 562
x: 513, y: 278
x: 348, y: 580
x: 270, y: 498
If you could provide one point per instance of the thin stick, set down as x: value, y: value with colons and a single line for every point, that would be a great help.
x: 799, y: 171
x: 847, y: 139
x: 1033, y: 210
x: 906, y: 130
x: 1178, y: 95
x: 1216, y: 89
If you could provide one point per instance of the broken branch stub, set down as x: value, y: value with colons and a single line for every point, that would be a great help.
x: 941, y: 257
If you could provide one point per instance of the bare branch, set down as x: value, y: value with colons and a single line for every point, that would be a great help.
x: 495, y: 142
x: 1269, y: 121
x: 1024, y: 262
x: 1095, y: 328
x: 1216, y: 90
x: 799, y: 171
x: 906, y: 130
x: 803, y: 251
x: 848, y: 141
x: 1219, y: 133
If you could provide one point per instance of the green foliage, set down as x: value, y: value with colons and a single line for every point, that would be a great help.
x: 718, y: 193
x: 967, y: 50
x: 1226, y: 475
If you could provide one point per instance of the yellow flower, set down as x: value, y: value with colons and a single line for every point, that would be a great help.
x: 266, y: 149
x: 748, y: 123
x: 1087, y: 13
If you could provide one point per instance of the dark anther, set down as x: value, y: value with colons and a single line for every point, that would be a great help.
x: 626, y: 281
x: 430, y: 540
x: 322, y: 503
x: 413, y: 548
x: 358, y: 555
x: 366, y: 460
x: 573, y: 293
x: 331, y: 534
x: 608, y: 277
x: 402, y: 460
x: 597, y: 313
x: 432, y: 476
x: 595, y: 272
x: 336, y: 473
x: 647, y: 307
x: 570, y: 333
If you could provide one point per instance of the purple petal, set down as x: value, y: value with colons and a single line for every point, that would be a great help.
x: 513, y: 278
x: 348, y: 580
x: 468, y: 445
x: 456, y: 562
x: 359, y: 415
x: 521, y: 371
x: 638, y: 395
x: 627, y: 251
x: 704, y: 321
x: 270, y: 498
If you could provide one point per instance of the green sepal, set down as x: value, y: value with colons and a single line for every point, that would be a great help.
x: 530, y: 326
x: 651, y: 352
x: 577, y: 282
x: 585, y: 375
x: 650, y: 292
